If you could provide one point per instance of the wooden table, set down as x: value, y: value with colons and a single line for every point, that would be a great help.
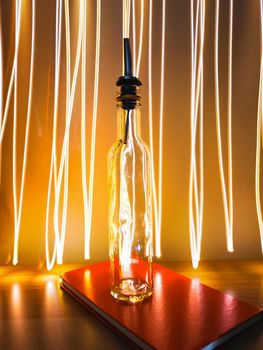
x: 36, y: 314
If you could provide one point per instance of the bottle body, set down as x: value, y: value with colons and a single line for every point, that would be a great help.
x: 130, y: 211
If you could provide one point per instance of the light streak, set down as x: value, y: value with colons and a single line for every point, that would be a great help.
x: 137, y: 71
x: 196, y: 221
x: 230, y: 176
x: 1, y: 88
x: 88, y: 218
x: 157, y: 202
x: 137, y: 62
x: 126, y: 217
x: 147, y: 194
x: 63, y: 167
x: 158, y: 232
x: 15, y: 259
x: 132, y: 153
x: 83, y: 138
x: 11, y: 81
x: 64, y: 161
x: 126, y: 18
x: 127, y: 207
x: 259, y: 135
x: 134, y: 34
x: 18, y: 208
x: 227, y: 198
x: 53, y: 166
x: 156, y: 221
x: 62, y: 173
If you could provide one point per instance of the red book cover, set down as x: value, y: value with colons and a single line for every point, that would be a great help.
x: 181, y: 314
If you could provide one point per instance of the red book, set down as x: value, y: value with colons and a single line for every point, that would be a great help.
x: 181, y: 314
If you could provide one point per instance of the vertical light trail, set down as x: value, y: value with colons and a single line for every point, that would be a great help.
x: 83, y: 137
x: 227, y: 199
x: 201, y: 118
x: 195, y: 190
x: 191, y: 223
x: 63, y: 167
x: 18, y: 208
x: 156, y: 221
x: 194, y: 120
x: 61, y: 231
x: 125, y: 206
x: 134, y: 35
x: 126, y: 9
x: 11, y: 81
x: 229, y: 116
x: 137, y: 71
x: 259, y: 135
x: 137, y: 60
x: 157, y: 203
x: 201, y: 160
x: 127, y: 217
x: 93, y: 130
x: 53, y: 165
x: 126, y: 23
x: 126, y: 26
x: 1, y: 89
x: 15, y: 259
x: 123, y: 16
x: 160, y: 172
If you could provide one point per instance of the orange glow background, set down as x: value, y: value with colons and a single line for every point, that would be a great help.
x: 175, y: 230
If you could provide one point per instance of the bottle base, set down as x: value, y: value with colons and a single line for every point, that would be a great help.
x: 132, y: 291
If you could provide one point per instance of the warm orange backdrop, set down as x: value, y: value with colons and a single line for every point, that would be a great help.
x: 175, y: 230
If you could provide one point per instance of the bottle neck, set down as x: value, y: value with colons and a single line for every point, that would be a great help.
x: 129, y: 123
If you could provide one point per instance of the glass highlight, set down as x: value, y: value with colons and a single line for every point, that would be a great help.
x: 130, y: 208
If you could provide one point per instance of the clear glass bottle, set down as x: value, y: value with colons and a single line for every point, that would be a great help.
x: 130, y: 204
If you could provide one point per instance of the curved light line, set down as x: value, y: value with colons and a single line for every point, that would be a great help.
x: 15, y: 260
x: 230, y: 175
x: 65, y: 147
x: 137, y: 61
x: 123, y: 16
x: 132, y: 133
x: 28, y: 118
x: 125, y: 211
x: 147, y: 195
x: 126, y: 10
x: 128, y: 14
x: 194, y: 110
x: 196, y: 104
x: 219, y: 142
x: 11, y: 82
x: 258, y: 152
x: 199, y: 191
x: 160, y: 179
x: 201, y: 167
x: 94, y: 128
x: 53, y: 166
x: 191, y: 221
x: 134, y: 34
x: 137, y: 71
x: 259, y: 135
x: 83, y: 131
x: 155, y: 207
x: 1, y: 89
x: 60, y: 232
x: 201, y: 121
